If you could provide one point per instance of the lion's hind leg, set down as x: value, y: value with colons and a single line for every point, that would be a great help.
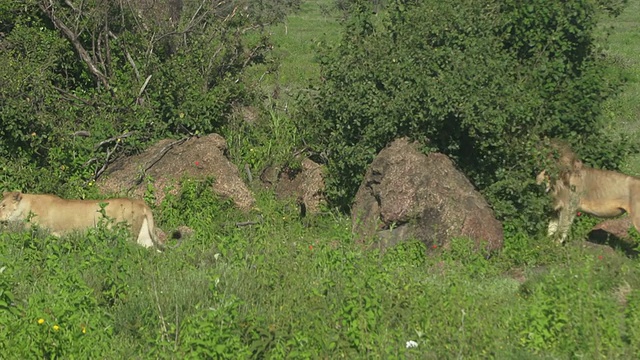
x: 634, y: 206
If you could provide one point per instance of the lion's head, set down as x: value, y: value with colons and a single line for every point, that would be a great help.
x: 9, y: 205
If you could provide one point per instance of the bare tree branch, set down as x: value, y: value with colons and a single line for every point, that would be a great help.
x: 162, y: 153
x: 107, y: 161
x: 71, y: 96
x: 144, y: 86
x: 115, y: 138
x: 49, y: 11
x: 73, y: 7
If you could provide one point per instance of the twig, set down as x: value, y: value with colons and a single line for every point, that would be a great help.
x: 133, y: 64
x: 83, y: 133
x: 127, y: 55
x: 195, y: 14
x: 248, y: 223
x: 177, y: 337
x: 252, y: 54
x: 295, y: 154
x: 115, y: 138
x: 72, y: 96
x: 89, y: 162
x: 164, y: 151
x: 69, y: 4
x: 144, y: 86
x: 106, y: 161
x: 248, y: 170
x: 158, y: 157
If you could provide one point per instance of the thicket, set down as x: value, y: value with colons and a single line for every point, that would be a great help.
x: 485, y: 82
x: 82, y: 83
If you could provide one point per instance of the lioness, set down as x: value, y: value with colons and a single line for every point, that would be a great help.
x: 601, y: 193
x: 61, y: 216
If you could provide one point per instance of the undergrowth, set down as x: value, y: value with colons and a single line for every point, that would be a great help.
x: 281, y: 288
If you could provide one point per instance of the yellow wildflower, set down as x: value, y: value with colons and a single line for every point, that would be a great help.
x: 56, y: 327
x: 40, y: 321
x: 84, y: 330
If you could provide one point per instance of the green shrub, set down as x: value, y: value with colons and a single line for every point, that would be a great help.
x: 152, y: 71
x: 483, y: 84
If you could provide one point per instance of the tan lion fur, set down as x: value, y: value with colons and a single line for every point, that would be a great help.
x: 61, y: 216
x: 601, y: 193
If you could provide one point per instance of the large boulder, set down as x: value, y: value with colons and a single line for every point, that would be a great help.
x: 406, y: 194
x: 304, y: 184
x: 168, y: 161
x: 618, y: 228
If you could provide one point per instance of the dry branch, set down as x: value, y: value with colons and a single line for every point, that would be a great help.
x: 70, y: 96
x: 47, y: 8
x: 107, y: 161
x: 115, y: 138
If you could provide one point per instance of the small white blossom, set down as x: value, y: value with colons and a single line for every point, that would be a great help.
x: 411, y: 344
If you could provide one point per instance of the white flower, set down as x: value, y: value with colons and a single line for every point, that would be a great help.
x: 216, y: 256
x: 411, y: 344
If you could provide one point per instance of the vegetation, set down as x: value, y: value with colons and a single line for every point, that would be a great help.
x: 127, y: 71
x: 251, y: 292
x: 483, y: 83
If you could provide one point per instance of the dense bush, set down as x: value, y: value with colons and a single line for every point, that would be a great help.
x: 127, y: 71
x: 482, y: 82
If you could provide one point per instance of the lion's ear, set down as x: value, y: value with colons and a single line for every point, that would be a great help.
x: 577, y: 164
x: 17, y: 195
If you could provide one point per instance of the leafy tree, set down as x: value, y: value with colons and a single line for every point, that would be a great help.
x: 125, y: 71
x: 484, y: 82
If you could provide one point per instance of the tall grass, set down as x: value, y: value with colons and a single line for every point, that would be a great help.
x: 620, y: 43
x: 281, y: 288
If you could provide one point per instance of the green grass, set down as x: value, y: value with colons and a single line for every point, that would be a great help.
x: 296, y: 42
x: 620, y: 40
x: 283, y: 289
x: 287, y: 288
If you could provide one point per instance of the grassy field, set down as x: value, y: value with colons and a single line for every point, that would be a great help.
x: 620, y: 40
x: 287, y: 288
x: 296, y: 42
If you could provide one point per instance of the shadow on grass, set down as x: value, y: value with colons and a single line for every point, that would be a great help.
x: 601, y: 237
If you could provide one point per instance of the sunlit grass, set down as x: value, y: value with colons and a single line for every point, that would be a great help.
x: 620, y: 40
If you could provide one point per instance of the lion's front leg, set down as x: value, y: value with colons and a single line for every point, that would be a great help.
x: 553, y: 227
x: 565, y: 219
